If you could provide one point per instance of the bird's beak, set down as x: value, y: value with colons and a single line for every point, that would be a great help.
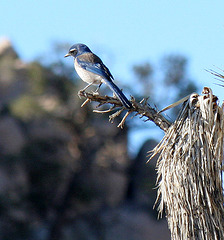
x: 67, y: 55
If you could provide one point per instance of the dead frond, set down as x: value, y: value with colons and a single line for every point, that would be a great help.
x: 190, y: 171
x: 219, y: 76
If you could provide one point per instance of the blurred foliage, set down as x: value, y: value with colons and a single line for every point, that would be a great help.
x: 39, y: 78
x: 174, y: 67
x: 176, y: 76
x: 144, y: 74
x: 44, y: 78
x: 25, y: 107
x: 70, y: 164
x: 168, y: 85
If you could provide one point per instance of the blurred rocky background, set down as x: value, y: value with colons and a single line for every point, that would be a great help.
x: 65, y: 172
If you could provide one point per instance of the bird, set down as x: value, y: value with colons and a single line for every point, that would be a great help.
x: 92, y: 70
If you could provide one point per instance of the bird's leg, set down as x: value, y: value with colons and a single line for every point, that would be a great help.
x: 83, y: 90
x: 98, y: 88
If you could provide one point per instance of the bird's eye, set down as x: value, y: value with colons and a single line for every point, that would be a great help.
x: 72, y: 51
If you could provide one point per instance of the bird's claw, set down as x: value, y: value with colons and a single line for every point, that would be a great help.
x: 81, y: 93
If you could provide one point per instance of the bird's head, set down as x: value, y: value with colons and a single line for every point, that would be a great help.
x: 77, y: 49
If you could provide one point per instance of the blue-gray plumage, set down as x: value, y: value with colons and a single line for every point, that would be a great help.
x: 91, y: 70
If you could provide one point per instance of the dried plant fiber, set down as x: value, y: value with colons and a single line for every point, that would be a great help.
x: 190, y: 170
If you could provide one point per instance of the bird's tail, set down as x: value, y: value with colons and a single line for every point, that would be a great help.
x: 118, y: 93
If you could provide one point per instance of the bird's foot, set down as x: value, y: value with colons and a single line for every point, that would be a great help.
x: 81, y: 93
x: 96, y: 93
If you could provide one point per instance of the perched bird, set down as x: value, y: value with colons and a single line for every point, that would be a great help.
x: 91, y: 70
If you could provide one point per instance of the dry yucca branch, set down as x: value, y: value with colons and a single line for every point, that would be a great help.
x: 189, y: 170
x: 142, y: 109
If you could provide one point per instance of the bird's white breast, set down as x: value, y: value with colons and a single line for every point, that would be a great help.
x: 87, y: 76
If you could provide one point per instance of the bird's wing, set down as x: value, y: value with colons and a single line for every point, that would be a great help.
x: 92, y: 63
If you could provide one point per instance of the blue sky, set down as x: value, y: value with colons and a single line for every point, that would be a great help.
x: 123, y: 33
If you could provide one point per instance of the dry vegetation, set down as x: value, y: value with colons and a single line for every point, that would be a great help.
x: 190, y: 165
